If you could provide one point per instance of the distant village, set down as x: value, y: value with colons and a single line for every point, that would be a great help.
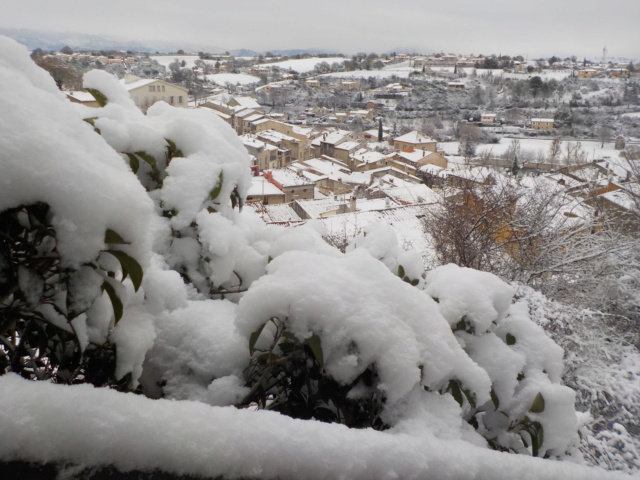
x: 375, y: 158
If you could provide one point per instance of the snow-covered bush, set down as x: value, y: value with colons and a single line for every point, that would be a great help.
x: 528, y: 408
x: 216, y: 308
x: 74, y: 234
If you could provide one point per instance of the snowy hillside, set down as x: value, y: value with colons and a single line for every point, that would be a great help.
x: 128, y: 263
x: 303, y: 65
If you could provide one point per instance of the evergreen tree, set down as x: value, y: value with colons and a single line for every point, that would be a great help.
x: 515, y: 168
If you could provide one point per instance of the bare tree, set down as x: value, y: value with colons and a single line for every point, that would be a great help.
x: 573, y: 154
x: 532, y: 232
x: 554, y: 149
x: 469, y: 138
x: 64, y: 74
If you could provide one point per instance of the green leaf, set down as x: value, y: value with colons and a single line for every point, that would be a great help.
x: 495, y: 399
x: 400, y: 271
x: 149, y: 159
x: 129, y: 267
x: 540, y: 434
x: 239, y: 201
x: 173, y: 150
x: 254, y: 338
x: 415, y: 282
x: 287, y: 347
x: 112, y: 237
x: 471, y: 397
x: 288, y: 335
x: 115, y: 300
x: 464, y: 325
x: 92, y: 121
x: 134, y: 163
x: 316, y: 348
x: 511, y: 340
x: 98, y: 95
x: 456, y: 392
x: 215, y: 191
x: 538, y: 404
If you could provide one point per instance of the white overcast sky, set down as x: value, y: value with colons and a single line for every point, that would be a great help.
x: 537, y: 28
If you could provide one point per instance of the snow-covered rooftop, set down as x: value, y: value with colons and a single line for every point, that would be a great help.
x: 275, y: 213
x: 412, y: 194
x: 288, y: 177
x: 414, y: 137
x: 261, y: 186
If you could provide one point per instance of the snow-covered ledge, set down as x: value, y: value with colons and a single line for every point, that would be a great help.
x: 43, y: 422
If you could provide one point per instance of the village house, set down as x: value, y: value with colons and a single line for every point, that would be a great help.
x: 329, y: 175
x: 618, y: 72
x: 266, y: 156
x: 245, y: 121
x: 228, y: 107
x: 410, y: 160
x: 380, y: 177
x: 348, y: 85
x: 294, y: 146
x: 85, y: 98
x: 293, y: 186
x: 392, y: 90
x: 364, y: 159
x: 542, y: 123
x: 587, y: 73
x: 414, y: 140
x: 262, y: 190
x: 146, y: 91
x: 344, y: 150
x: 325, y: 143
x: 488, y: 119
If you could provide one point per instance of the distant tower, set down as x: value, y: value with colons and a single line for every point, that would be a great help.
x: 604, y: 55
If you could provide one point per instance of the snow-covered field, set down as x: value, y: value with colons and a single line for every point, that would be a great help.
x: 400, y: 73
x: 402, y: 70
x: 544, y: 75
x: 166, y: 60
x: 303, y: 65
x: 592, y: 149
x: 233, y: 78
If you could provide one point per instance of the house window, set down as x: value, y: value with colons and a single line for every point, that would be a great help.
x: 154, y: 99
x: 180, y: 99
x: 136, y: 100
x: 163, y: 88
x: 152, y: 88
x: 171, y: 102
